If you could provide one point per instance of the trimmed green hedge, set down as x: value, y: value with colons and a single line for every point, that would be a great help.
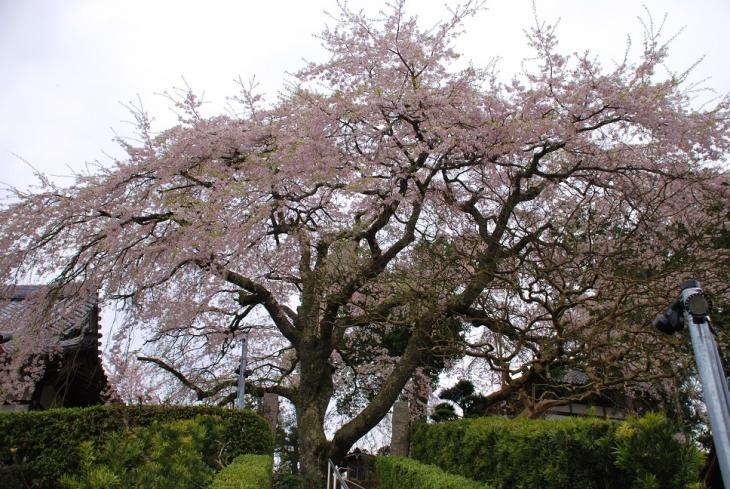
x: 245, y: 472
x: 557, y: 454
x: 37, y: 447
x: 406, y: 473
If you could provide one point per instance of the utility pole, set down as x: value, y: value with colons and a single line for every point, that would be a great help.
x: 242, y: 373
x: 693, y: 309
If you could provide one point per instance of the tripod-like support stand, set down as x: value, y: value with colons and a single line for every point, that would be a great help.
x: 693, y: 309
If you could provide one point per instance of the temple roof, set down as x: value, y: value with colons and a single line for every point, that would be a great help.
x: 14, y: 301
x: 74, y: 321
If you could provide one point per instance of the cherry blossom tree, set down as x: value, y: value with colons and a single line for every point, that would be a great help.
x: 382, y: 215
x: 581, y: 332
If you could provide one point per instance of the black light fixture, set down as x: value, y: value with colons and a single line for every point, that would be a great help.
x: 697, y: 304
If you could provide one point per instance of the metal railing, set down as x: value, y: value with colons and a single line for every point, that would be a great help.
x: 335, y: 479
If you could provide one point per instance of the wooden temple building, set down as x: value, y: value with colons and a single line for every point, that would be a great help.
x: 74, y: 376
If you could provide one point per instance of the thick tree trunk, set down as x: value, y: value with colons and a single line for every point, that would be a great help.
x: 313, y: 450
x: 315, y: 391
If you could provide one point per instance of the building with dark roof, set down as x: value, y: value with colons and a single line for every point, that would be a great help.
x: 73, y: 375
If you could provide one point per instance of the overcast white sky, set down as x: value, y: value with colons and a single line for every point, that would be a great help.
x: 67, y: 64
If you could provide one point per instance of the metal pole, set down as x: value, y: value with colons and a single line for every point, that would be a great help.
x: 714, y: 383
x: 719, y: 369
x: 242, y: 373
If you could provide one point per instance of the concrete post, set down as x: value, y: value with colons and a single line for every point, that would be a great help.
x: 270, y: 409
x: 399, y: 441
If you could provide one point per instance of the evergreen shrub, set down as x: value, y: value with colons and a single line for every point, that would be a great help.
x: 167, y: 455
x: 586, y: 453
x: 652, y: 453
x: 245, y: 472
x: 406, y: 473
x: 37, y: 447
